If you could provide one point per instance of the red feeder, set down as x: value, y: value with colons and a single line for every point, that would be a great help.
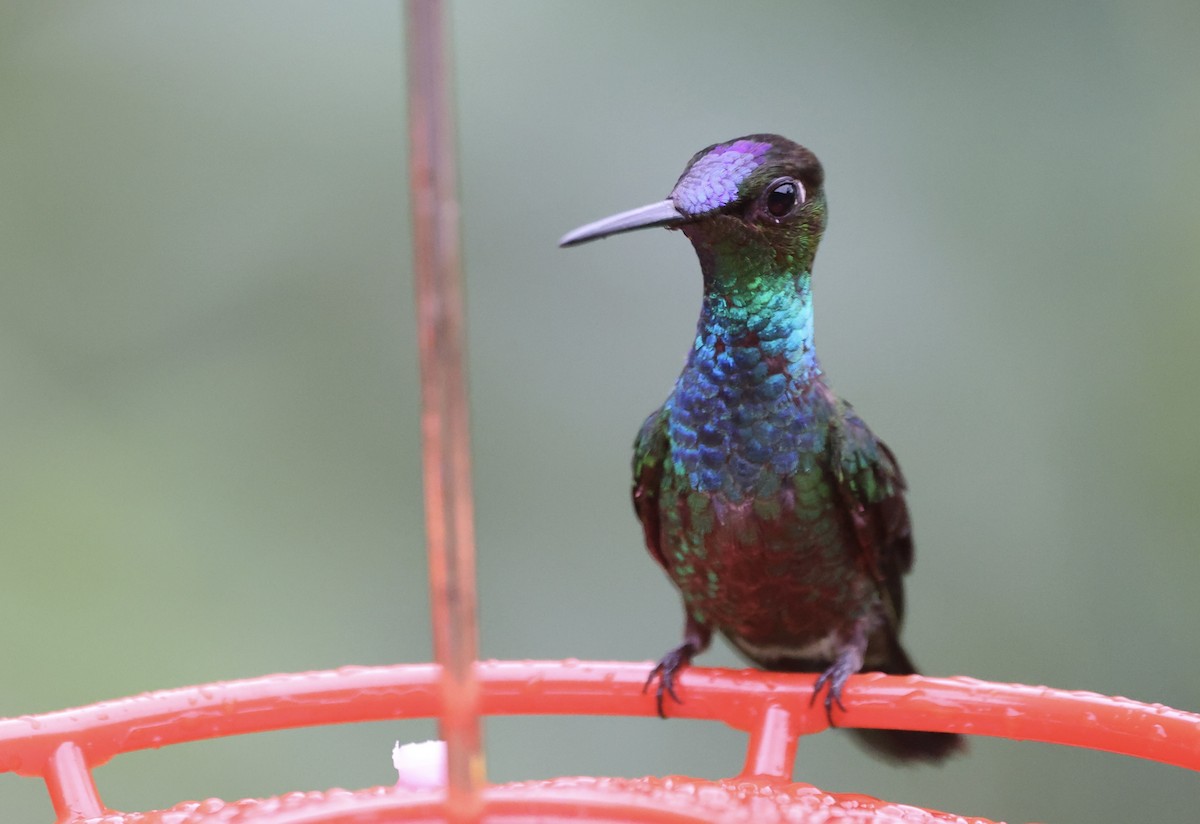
x: 64, y: 747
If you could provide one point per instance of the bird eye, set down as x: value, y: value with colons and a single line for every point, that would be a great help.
x: 782, y: 197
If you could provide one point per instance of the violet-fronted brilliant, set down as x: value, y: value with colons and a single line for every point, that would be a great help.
x: 768, y: 502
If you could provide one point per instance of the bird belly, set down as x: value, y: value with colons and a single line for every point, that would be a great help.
x: 779, y: 575
x: 825, y: 648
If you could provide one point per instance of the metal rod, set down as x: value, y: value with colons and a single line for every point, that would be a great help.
x: 449, y: 522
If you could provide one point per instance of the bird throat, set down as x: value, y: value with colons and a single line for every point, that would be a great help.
x: 753, y: 326
x: 747, y: 410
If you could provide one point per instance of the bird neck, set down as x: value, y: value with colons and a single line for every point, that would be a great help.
x: 767, y: 310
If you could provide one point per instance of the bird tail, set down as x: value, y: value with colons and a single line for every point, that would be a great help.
x: 908, y: 745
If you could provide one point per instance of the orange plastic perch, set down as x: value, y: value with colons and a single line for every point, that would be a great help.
x: 63, y: 747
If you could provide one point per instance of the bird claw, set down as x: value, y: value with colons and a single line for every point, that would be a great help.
x: 835, y: 677
x: 665, y: 671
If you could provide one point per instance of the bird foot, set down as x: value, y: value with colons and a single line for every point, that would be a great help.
x: 835, y: 677
x: 665, y: 671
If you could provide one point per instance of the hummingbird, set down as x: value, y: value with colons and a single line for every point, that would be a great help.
x: 775, y: 511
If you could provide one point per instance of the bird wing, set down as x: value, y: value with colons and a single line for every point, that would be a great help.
x: 871, y: 487
x: 649, y: 452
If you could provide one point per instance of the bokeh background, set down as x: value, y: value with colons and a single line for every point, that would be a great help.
x: 209, y: 458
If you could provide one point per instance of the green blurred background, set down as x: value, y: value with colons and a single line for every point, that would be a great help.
x: 208, y: 388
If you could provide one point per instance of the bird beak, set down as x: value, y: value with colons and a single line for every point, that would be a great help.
x: 663, y: 213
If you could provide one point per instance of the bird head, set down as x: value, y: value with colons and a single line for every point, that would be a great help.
x: 758, y: 198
